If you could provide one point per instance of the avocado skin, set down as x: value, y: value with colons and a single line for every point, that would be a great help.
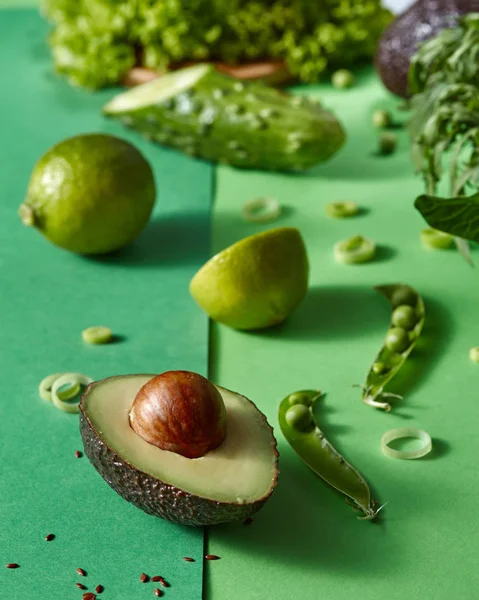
x: 400, y: 41
x: 156, y: 497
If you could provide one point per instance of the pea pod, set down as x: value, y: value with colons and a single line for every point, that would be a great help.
x: 407, y: 320
x: 299, y: 427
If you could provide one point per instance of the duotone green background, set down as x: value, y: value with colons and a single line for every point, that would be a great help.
x: 306, y: 542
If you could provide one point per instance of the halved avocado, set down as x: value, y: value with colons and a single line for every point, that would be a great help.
x: 229, y: 483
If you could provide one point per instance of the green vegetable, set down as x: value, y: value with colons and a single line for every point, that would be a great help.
x: 387, y: 143
x: 342, y: 79
x: 458, y: 216
x: 320, y: 456
x: 398, y: 344
x: 381, y: 119
x: 95, y: 42
x: 445, y: 123
x: 355, y: 250
x: 342, y: 210
x: 70, y: 379
x: 97, y: 335
x: 207, y: 114
x: 406, y: 432
x: 261, y: 210
x: 474, y: 354
x: 299, y: 417
x: 404, y: 316
x: 45, y: 388
x: 437, y: 240
x: 397, y: 339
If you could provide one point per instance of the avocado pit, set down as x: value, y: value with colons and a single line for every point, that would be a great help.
x: 181, y: 412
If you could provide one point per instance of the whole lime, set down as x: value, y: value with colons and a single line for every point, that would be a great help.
x: 255, y: 283
x: 90, y: 194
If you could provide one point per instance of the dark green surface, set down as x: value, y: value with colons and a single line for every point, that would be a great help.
x: 47, y: 298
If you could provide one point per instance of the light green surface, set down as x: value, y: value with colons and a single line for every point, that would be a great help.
x: 307, y: 543
x: 47, y: 298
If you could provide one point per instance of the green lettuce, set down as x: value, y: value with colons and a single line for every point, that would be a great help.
x: 95, y: 42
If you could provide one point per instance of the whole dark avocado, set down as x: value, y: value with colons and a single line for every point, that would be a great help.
x: 399, y: 42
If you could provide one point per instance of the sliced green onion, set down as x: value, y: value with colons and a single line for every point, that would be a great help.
x: 357, y: 249
x: 342, y: 210
x: 45, y: 386
x: 97, y: 335
x: 68, y: 379
x: 437, y: 240
x: 474, y: 354
x: 261, y: 210
x: 406, y: 432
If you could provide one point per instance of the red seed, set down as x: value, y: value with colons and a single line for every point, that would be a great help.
x: 78, y: 454
x: 248, y: 521
x: 158, y: 592
x: 12, y: 566
x: 81, y: 572
x: 49, y: 537
x: 212, y: 557
x: 188, y: 559
x: 161, y: 579
x: 144, y: 578
x: 99, y: 589
x: 81, y: 586
x: 89, y: 596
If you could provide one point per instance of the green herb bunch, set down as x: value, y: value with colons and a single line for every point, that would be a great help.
x: 95, y: 42
x: 444, y: 78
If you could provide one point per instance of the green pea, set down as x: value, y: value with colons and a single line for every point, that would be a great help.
x: 378, y: 368
x: 397, y: 339
x: 300, y: 398
x: 387, y: 143
x: 404, y: 316
x: 342, y: 79
x: 381, y: 119
x: 404, y: 294
x: 299, y: 417
x: 474, y: 354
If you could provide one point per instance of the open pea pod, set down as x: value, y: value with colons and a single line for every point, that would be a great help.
x: 407, y: 321
x: 299, y: 427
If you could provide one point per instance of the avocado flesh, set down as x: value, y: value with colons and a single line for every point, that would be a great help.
x: 230, y: 482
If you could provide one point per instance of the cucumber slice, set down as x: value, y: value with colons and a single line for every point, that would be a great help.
x: 207, y: 114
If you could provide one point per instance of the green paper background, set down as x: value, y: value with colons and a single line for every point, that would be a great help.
x: 47, y: 297
x: 306, y: 543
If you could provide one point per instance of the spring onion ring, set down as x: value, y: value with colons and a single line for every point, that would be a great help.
x: 65, y: 379
x: 474, y: 354
x: 45, y: 386
x: 355, y: 250
x: 436, y: 240
x: 261, y: 210
x: 342, y: 210
x: 98, y: 334
x: 406, y: 432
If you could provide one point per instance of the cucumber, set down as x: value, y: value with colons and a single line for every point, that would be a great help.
x: 212, y: 116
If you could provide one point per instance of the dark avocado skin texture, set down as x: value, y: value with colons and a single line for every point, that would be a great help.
x: 422, y: 21
x: 154, y: 496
